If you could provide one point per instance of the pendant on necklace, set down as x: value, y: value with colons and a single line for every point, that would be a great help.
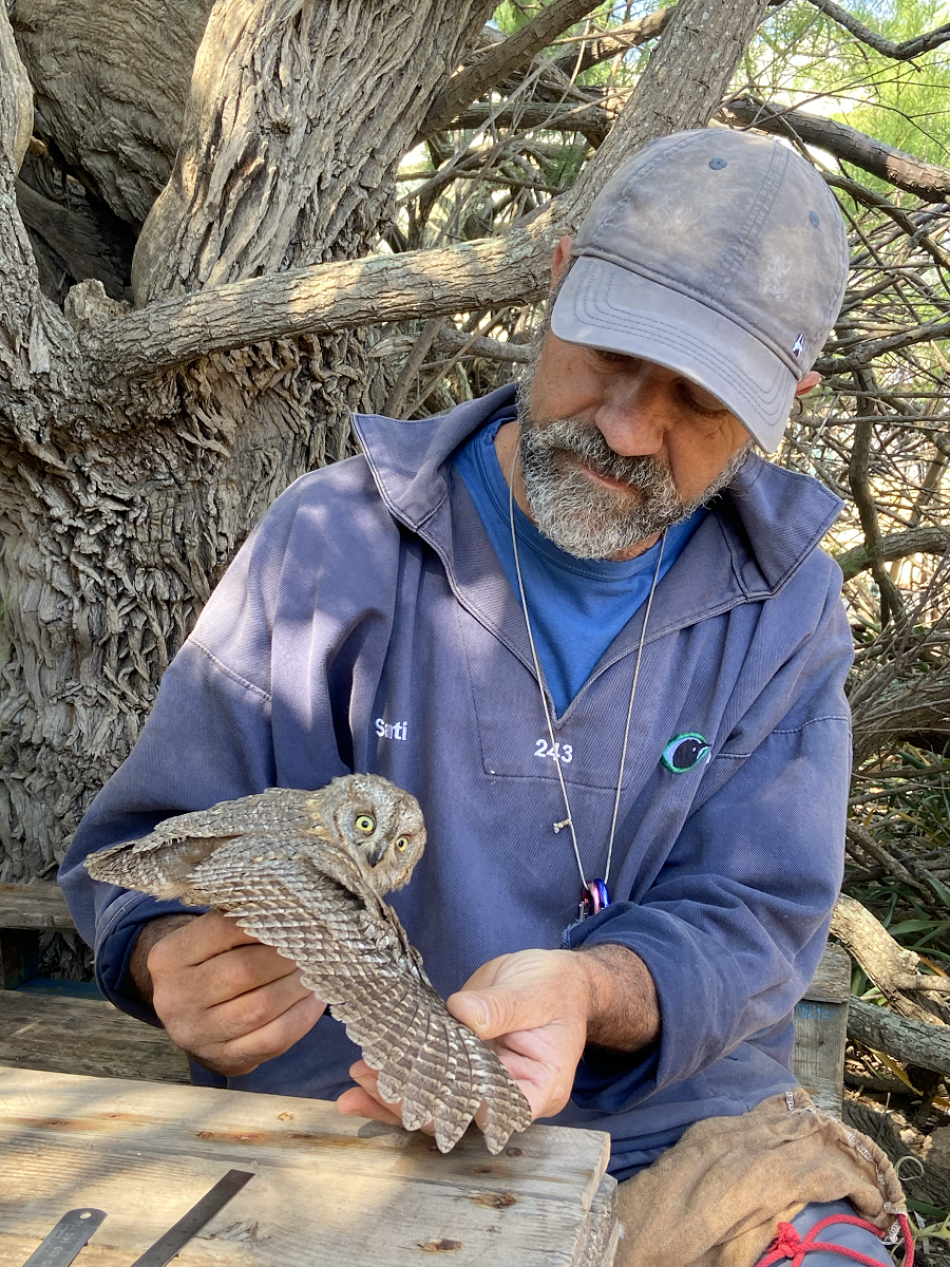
x: 594, y: 898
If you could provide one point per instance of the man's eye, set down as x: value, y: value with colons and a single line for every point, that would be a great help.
x: 614, y: 358
x: 698, y: 398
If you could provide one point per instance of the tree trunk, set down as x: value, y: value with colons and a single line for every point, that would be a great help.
x: 124, y: 501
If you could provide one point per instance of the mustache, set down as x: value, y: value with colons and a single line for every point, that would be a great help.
x: 584, y: 441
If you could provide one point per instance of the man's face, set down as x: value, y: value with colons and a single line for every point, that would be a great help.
x: 614, y: 450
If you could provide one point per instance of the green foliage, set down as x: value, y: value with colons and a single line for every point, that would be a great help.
x: 803, y: 58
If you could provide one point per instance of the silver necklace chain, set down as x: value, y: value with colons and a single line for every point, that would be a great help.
x: 544, y: 699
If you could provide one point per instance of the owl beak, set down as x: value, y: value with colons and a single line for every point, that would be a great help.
x: 376, y: 856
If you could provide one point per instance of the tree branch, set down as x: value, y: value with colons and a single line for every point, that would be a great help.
x: 859, y: 477
x: 680, y: 88
x: 687, y: 77
x: 16, y: 104
x: 925, y: 180
x: 594, y: 121
x: 885, y: 962
x: 900, y: 52
x: 874, y: 348
x: 870, y: 198
x: 111, y: 82
x: 899, y: 546
x: 618, y: 41
x: 857, y: 835
x: 916, y: 1041
x: 491, y: 66
x: 260, y: 183
x: 327, y: 297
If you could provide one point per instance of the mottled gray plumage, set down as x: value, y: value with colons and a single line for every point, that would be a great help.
x: 305, y: 872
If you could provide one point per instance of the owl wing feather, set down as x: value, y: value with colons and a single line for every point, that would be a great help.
x: 355, y: 955
x: 168, y: 855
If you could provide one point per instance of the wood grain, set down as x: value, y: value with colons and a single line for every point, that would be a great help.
x: 356, y: 1192
x: 832, y: 980
x: 818, y: 1063
x: 87, y: 1036
x: 33, y: 906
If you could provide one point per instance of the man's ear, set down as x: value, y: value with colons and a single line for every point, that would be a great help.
x: 562, y: 253
x: 808, y: 383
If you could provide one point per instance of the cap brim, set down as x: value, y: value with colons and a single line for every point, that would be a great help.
x: 616, y: 309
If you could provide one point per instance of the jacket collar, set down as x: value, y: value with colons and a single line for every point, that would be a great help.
x: 769, y: 520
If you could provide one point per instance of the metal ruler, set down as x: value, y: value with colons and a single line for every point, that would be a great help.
x: 74, y: 1229
x: 67, y: 1238
x: 168, y: 1245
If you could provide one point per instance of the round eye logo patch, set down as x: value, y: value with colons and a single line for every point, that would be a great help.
x: 685, y: 752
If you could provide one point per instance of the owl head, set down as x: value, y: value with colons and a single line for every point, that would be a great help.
x: 381, y: 824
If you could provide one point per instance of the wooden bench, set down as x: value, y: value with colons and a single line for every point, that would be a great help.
x: 821, y: 1030
x: 66, y: 1027
x: 26, y: 911
x: 326, y: 1188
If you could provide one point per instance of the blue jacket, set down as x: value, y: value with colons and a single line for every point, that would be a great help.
x: 367, y: 625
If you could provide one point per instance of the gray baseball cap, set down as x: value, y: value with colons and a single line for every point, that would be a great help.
x: 717, y: 254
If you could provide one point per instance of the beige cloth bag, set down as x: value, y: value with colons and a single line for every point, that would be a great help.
x: 714, y: 1199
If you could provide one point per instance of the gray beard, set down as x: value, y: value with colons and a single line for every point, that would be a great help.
x: 583, y: 518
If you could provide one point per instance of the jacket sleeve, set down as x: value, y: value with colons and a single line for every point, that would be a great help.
x: 207, y: 740
x: 733, y: 925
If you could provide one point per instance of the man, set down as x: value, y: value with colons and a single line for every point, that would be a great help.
x: 621, y: 712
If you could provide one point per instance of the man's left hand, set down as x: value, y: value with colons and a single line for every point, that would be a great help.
x: 532, y: 1008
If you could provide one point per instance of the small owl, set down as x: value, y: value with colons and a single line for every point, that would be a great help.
x: 305, y: 872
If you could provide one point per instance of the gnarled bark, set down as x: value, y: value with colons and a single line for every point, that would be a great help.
x: 111, y: 84
x: 124, y: 502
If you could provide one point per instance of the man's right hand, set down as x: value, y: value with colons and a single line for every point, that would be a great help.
x: 228, y: 1001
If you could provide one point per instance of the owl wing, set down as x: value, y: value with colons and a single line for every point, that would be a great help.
x: 162, y: 863
x: 355, y: 955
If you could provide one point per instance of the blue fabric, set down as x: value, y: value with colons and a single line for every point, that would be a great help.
x: 845, y: 1234
x: 371, y: 595
x: 577, y: 606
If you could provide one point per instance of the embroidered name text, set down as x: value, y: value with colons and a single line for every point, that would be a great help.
x: 391, y: 730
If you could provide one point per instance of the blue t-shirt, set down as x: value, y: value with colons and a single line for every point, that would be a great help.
x: 577, y: 606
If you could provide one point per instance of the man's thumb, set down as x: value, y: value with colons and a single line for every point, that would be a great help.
x: 490, y: 1013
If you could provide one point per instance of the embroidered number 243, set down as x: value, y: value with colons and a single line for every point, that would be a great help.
x: 562, y: 752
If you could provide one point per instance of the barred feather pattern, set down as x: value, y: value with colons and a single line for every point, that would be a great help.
x: 302, y: 872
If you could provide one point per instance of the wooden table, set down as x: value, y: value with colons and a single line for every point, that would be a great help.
x: 328, y: 1190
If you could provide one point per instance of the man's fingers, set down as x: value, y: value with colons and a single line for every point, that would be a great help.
x: 364, y: 1099
x: 243, y: 1054
x: 241, y: 971
x: 359, y: 1103
x: 199, y: 940
x: 257, y: 1008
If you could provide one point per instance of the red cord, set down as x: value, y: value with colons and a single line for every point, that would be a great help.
x: 788, y: 1243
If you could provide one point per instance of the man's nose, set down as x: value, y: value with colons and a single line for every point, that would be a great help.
x: 633, y: 415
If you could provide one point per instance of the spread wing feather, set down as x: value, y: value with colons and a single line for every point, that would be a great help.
x: 353, y: 953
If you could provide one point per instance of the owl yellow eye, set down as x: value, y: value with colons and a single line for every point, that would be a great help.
x: 402, y: 844
x: 366, y: 823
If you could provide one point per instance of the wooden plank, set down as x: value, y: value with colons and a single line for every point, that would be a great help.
x: 599, y: 1247
x: 87, y: 1036
x: 33, y: 906
x: 820, y: 1038
x: 832, y: 980
x: 326, y: 1189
